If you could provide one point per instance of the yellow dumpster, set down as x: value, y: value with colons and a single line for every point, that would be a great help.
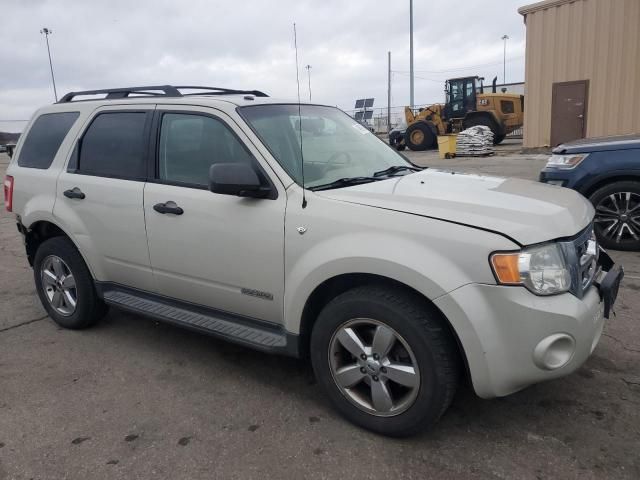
x: 447, y: 145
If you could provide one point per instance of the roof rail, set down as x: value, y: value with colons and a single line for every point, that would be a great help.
x: 115, y: 93
x: 220, y: 91
x: 156, y: 91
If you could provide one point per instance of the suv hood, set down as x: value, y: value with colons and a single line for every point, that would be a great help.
x: 600, y: 144
x: 525, y: 211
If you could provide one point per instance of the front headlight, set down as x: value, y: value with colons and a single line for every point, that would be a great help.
x: 541, y: 269
x: 565, y: 162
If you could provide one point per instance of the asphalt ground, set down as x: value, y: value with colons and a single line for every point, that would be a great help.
x: 133, y: 398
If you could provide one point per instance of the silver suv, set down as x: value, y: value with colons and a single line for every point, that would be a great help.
x: 292, y: 229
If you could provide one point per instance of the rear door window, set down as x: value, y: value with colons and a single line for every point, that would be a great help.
x: 44, y: 139
x: 115, y: 145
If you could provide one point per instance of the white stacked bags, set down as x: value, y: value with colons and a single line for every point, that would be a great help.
x: 475, y: 141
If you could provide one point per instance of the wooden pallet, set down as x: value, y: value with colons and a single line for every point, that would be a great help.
x: 475, y: 154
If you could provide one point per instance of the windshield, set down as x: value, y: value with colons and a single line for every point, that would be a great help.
x: 335, y: 147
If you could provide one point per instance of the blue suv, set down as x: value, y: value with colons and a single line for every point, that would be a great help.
x: 606, y: 171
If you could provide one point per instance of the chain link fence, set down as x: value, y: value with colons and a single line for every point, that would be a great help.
x: 378, y: 121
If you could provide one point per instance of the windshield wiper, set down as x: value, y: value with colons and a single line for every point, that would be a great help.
x: 394, y: 169
x: 344, y: 182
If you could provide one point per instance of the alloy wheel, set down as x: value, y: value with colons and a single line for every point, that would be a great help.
x: 374, y: 367
x: 618, y: 216
x: 59, y: 285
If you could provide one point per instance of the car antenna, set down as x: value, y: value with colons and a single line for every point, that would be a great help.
x: 295, y: 44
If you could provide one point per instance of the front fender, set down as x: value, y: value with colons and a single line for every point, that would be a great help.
x: 595, y: 181
x: 431, y: 256
x: 321, y: 263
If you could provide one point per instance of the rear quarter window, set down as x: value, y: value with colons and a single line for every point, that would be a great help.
x: 44, y: 139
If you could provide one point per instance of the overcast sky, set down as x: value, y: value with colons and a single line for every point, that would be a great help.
x: 249, y: 44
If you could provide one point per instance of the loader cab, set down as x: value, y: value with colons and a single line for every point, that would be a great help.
x: 461, y: 96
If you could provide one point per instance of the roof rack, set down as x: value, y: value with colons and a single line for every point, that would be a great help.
x: 156, y: 91
x: 221, y: 91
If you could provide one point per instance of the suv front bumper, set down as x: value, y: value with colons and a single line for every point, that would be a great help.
x: 512, y: 338
x: 554, y: 177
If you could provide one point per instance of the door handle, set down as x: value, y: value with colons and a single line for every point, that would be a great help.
x: 74, y: 192
x: 168, y: 207
x: 580, y: 116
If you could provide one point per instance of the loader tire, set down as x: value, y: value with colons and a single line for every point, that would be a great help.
x: 419, y: 136
x: 486, y: 122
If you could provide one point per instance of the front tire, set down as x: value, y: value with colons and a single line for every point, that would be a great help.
x: 419, y: 136
x: 385, y: 359
x: 617, y: 220
x: 65, y: 286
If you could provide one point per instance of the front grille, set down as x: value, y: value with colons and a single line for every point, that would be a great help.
x: 581, y: 253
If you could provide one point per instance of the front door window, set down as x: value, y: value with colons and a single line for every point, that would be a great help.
x: 457, y: 97
x: 190, y: 144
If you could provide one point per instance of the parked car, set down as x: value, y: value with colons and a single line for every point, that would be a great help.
x: 606, y: 171
x: 396, y: 282
x: 396, y: 137
x: 10, y: 147
x: 3, y: 148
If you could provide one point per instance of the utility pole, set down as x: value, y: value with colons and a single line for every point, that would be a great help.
x: 308, y: 67
x: 504, y: 60
x: 388, y: 92
x: 46, y: 31
x: 411, y: 98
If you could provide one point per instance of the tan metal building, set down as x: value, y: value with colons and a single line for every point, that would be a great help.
x: 582, y: 70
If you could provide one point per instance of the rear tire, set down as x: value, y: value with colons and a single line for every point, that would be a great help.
x: 65, y: 286
x: 418, y: 339
x: 614, y: 214
x: 419, y: 136
x: 486, y: 122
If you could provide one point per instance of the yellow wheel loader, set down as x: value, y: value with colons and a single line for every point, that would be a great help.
x: 466, y: 106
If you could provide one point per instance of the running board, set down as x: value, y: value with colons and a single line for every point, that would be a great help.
x: 252, y: 333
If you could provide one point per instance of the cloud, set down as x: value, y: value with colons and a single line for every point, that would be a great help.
x: 249, y: 44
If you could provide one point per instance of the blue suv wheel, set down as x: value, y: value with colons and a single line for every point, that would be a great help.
x: 617, y: 220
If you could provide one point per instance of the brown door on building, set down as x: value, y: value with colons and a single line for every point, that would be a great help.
x: 569, y: 111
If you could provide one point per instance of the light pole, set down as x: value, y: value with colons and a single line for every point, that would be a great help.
x: 308, y: 67
x: 504, y: 60
x: 46, y: 31
x: 411, y: 98
x: 389, y: 92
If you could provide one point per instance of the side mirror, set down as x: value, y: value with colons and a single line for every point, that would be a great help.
x: 236, y: 179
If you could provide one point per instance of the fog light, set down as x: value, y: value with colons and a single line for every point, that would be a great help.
x: 559, y: 183
x: 554, y: 352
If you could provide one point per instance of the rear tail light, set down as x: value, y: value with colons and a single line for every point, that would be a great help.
x: 8, y: 193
